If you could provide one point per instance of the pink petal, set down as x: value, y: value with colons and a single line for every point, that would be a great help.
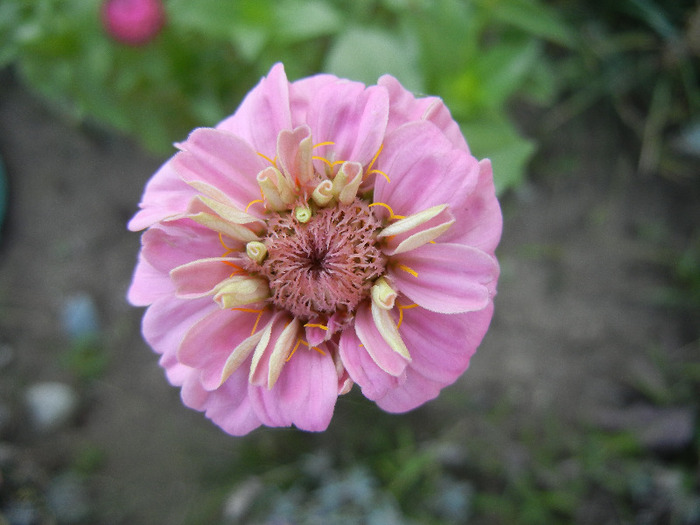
x: 260, y: 366
x: 419, y: 390
x: 230, y: 407
x: 351, y: 116
x: 199, y: 278
x: 302, y: 95
x: 416, y: 230
x: 166, y: 321
x: 441, y: 346
x: 304, y: 395
x: 375, y: 345
x: 165, y: 195
x: 479, y: 216
x: 452, y: 278
x: 424, y: 169
x: 294, y: 151
x: 148, y: 284
x: 223, y: 161
x: 405, y: 107
x: 174, y: 243
x: 192, y: 393
x: 374, y: 381
x: 264, y: 112
x: 208, y: 343
x: 164, y: 325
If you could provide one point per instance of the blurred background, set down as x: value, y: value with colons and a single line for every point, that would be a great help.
x: 581, y: 405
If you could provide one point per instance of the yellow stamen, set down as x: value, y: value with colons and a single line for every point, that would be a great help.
x: 228, y: 250
x: 401, y: 309
x: 253, y: 202
x: 323, y: 159
x: 293, y: 350
x: 369, y: 168
x: 391, y: 212
x: 381, y: 173
x: 257, y: 320
x: 312, y: 347
x: 327, y: 143
x: 229, y: 263
x: 316, y: 325
x: 252, y: 311
x: 408, y: 269
x: 271, y: 161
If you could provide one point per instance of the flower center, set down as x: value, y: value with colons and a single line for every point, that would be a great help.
x: 324, y: 265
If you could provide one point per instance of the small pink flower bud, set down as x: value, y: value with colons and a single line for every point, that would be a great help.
x: 133, y: 22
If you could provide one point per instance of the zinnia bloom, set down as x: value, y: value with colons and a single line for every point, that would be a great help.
x: 326, y: 234
x: 133, y: 22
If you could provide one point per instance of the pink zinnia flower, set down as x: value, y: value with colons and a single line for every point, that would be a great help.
x: 326, y: 234
x: 133, y: 22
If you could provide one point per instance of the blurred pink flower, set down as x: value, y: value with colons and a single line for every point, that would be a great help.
x: 133, y: 22
x: 326, y: 234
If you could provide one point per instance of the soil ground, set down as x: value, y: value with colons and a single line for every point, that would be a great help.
x: 587, y: 247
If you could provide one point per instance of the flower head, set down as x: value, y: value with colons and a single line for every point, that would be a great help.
x: 326, y: 234
x: 133, y: 22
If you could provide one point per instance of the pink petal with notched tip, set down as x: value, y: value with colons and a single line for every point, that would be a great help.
x: 264, y: 112
x: 452, y: 278
x: 228, y: 407
x: 303, y: 93
x: 165, y: 324
x: 304, y: 395
x: 441, y: 347
x: 231, y: 408
x: 479, y: 215
x: 192, y: 393
x: 166, y: 321
x: 201, y: 277
x: 425, y: 170
x: 148, y: 284
x: 174, y: 243
x: 374, y: 381
x: 165, y: 195
x: 223, y: 161
x: 351, y: 116
x: 405, y: 107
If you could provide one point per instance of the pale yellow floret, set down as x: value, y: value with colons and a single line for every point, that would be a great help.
x: 323, y: 193
x: 412, y: 221
x: 303, y: 214
x: 281, y: 351
x: 239, y: 290
x: 239, y: 355
x: 276, y: 189
x: 347, y: 181
x: 225, y: 218
x: 256, y: 250
x: 383, y: 300
x: 383, y: 295
x: 264, y: 340
x: 217, y: 224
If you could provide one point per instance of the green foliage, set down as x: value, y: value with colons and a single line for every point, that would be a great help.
x: 638, y: 59
x: 476, y: 54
